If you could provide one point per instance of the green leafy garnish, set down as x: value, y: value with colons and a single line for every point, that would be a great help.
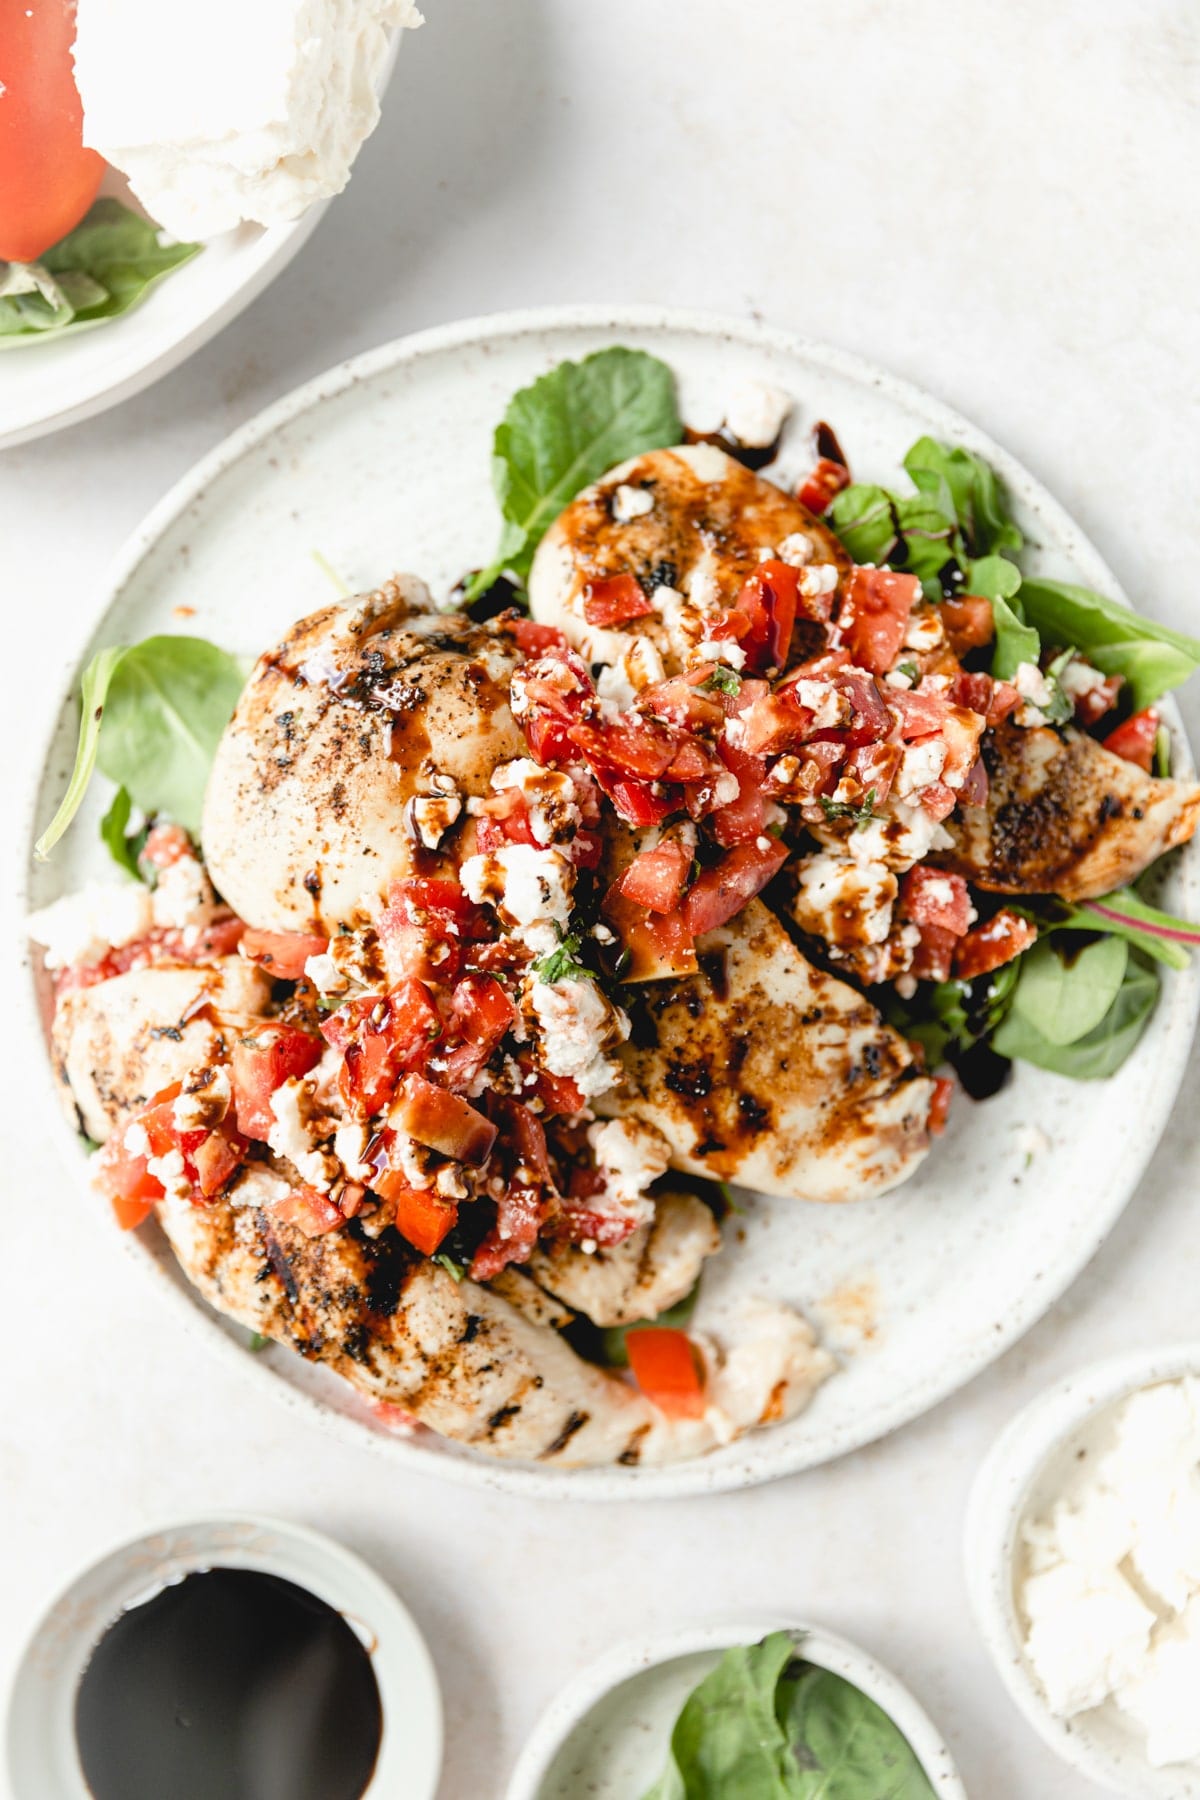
x: 723, y: 680
x: 563, y: 964
x: 123, y: 849
x: 1098, y: 1052
x: 257, y: 1342
x: 1152, y: 658
x: 453, y: 1269
x: 1125, y: 914
x: 100, y: 269
x: 566, y: 430
x: 909, y: 669
x: 765, y: 1725
x: 151, y: 717
x: 862, y: 813
x: 1065, y: 998
x: 965, y: 489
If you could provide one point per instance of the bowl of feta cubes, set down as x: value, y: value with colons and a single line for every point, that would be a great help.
x: 1082, y: 1553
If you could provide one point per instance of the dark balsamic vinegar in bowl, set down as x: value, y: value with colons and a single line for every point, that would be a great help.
x: 231, y: 1684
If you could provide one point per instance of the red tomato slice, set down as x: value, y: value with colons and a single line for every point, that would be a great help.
x: 823, y: 484
x: 720, y: 892
x: 875, y: 767
x: 127, y: 1181
x: 874, y: 615
x: 921, y: 715
x: 423, y: 928
x: 218, y: 1158
x: 533, y: 638
x: 769, y: 599
x: 480, y: 1014
x: 933, y: 959
x: 680, y: 702
x: 638, y: 802
x: 989, y: 946
x: 424, y: 1218
x: 666, y: 1367
x: 310, y: 1212
x: 939, y: 1104
x: 969, y: 622
x: 657, y: 945
x: 506, y: 821
x: 1135, y: 740
x: 442, y: 1121
x: 281, y: 954
x: 935, y: 897
x: 558, y: 1094
x: 614, y: 599
x: 742, y: 820
x: 519, y: 1216
x: 262, y: 1061
x: 379, y: 1039
x: 656, y: 878
x: 47, y: 179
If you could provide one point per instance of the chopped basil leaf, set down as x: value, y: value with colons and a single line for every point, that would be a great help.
x: 862, y: 814
x: 100, y: 269
x: 723, y: 680
x: 448, y: 1263
x: 563, y: 964
x: 909, y: 669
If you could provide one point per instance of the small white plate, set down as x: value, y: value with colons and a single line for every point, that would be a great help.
x: 1022, y: 1475
x: 607, y: 1734
x: 42, y: 1762
x: 385, y: 463
x: 50, y: 383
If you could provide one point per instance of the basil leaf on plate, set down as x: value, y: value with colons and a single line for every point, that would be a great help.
x: 1152, y: 658
x: 846, y: 1747
x: 1101, y: 1051
x: 1063, y: 999
x: 566, y: 430
x: 968, y: 490
x: 152, y: 714
x: 123, y: 850
x: 97, y: 271
x: 728, y: 1742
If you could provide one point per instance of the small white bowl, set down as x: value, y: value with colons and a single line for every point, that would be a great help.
x: 41, y: 1759
x: 607, y: 1733
x: 1022, y: 1475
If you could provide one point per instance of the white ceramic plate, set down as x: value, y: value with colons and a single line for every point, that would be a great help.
x: 61, y: 380
x: 383, y: 464
x: 40, y: 1754
x: 606, y: 1734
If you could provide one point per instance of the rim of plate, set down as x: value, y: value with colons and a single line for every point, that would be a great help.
x: 828, y: 1649
x: 1001, y: 1496
x: 114, y: 1578
x: 762, y: 1457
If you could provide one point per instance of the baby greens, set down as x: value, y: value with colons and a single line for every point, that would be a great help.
x: 1083, y: 1055
x: 765, y: 1725
x: 100, y: 269
x: 567, y: 429
x: 151, y: 716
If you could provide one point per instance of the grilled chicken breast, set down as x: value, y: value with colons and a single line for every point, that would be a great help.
x: 701, y: 525
x: 459, y: 1357
x: 764, y: 1070
x: 640, y: 1278
x: 1065, y: 816
x: 362, y: 708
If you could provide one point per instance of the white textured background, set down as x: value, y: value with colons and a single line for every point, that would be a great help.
x: 995, y: 198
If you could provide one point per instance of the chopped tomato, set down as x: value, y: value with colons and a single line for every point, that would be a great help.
x: 1092, y: 705
x: 667, y: 1368
x: 381, y: 1037
x: 742, y: 820
x: 990, y: 945
x: 1005, y: 699
x: 218, y: 1158
x: 422, y: 1216
x: 505, y: 820
x: 533, y: 638
x: 282, y: 954
x: 519, y: 1216
x: 768, y: 599
x: 974, y: 790
x: 423, y: 928
x: 969, y: 622
x: 938, y: 800
x: 870, y: 719
x: 939, y: 1104
x: 310, y: 1212
x: 874, y: 767
x: 127, y: 1181
x: 547, y: 739
x: 559, y: 682
x: 442, y: 1121
x: 721, y: 891
x: 526, y: 1138
x: 680, y: 702
x: 657, y: 944
x: 166, y: 844
x: 874, y: 615
x: 776, y: 723
x: 263, y: 1059
x: 558, y: 1094
x: 656, y: 878
x: 933, y: 959
x: 823, y: 483
x: 1135, y: 739
x: 935, y: 897
x: 614, y: 599
x: 639, y: 803
x: 920, y: 714
x: 47, y: 179
x: 480, y: 1014
x: 972, y: 690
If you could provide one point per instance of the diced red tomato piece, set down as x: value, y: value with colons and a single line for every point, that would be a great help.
x: 512, y: 826
x: 263, y: 1059
x: 990, y: 945
x: 933, y: 959
x: 423, y: 929
x: 639, y: 747
x: 969, y: 622
x: 874, y: 615
x: 558, y: 681
x: 821, y: 668
x: 519, y: 1216
x: 938, y: 800
x: 218, y: 1158
x: 639, y: 803
x: 742, y: 820
x: 939, y: 1104
x: 380, y: 1037
x: 534, y: 638
x: 822, y: 485
x: 920, y: 714
x: 282, y: 954
x: 422, y: 1216
x: 166, y: 844
x: 974, y: 790
x: 656, y: 878
x: 126, y: 1180
x: 874, y: 767
x: 721, y: 891
x: 442, y: 1121
x: 614, y: 599
x: 768, y: 598
x: 681, y: 702
x: 480, y: 1014
x: 776, y: 723
x: 1005, y: 699
x: 972, y: 690
x: 936, y: 897
x: 1135, y: 739
x: 870, y: 719
x: 559, y: 1095
x: 667, y: 1368
x: 1092, y: 705
x: 547, y: 739
x: 310, y: 1212
x: 657, y: 944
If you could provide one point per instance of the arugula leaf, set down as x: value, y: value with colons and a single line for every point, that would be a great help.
x: 565, y: 431
x: 968, y: 490
x: 906, y: 531
x: 1063, y: 1000
x: 728, y: 1741
x: 846, y: 1746
x: 1152, y: 658
x: 152, y: 714
x: 1101, y: 1051
x: 675, y: 1317
x: 100, y: 269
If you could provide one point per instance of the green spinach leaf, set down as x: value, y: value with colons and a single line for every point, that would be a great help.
x: 968, y: 490
x: 728, y: 1743
x: 846, y: 1746
x: 1101, y: 1051
x: 97, y: 271
x: 1152, y: 658
x: 1064, y: 999
x: 566, y: 430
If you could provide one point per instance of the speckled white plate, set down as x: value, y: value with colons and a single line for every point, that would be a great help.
x: 383, y: 464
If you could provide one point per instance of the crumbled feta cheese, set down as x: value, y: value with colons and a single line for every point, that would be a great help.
x: 82, y: 926
x: 920, y: 766
x: 291, y: 1134
x: 325, y: 975
x: 203, y: 1100
x: 706, y: 462
x: 1080, y: 678
x: 817, y: 580
x: 208, y: 138
x: 170, y: 1170
x: 722, y: 650
x: 349, y: 1143
x: 899, y: 837
x: 898, y: 679
x: 828, y: 705
x: 636, y: 665
x: 845, y: 902
x: 530, y: 889
x: 449, y: 1183
x: 630, y: 503
x: 796, y: 549
x: 550, y: 797
x: 136, y: 1140
x: 578, y: 1025
x: 1032, y: 685
x: 183, y: 895
x: 631, y: 1156
x: 704, y: 581
x: 756, y: 413
x: 433, y: 814
x: 924, y: 630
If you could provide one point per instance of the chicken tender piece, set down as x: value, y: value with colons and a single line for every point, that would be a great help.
x: 117, y: 1044
x: 638, y: 1279
x: 705, y: 530
x: 1065, y: 816
x: 362, y: 708
x: 764, y: 1070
